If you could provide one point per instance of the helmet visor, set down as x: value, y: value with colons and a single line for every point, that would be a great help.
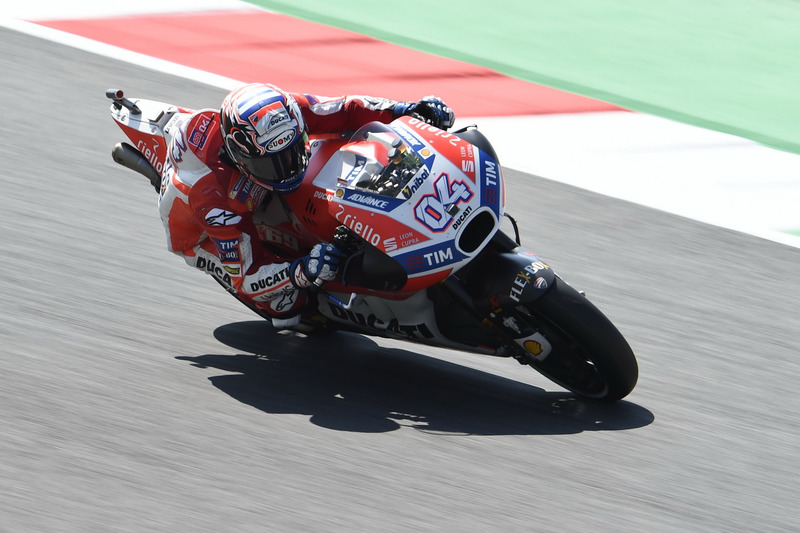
x: 277, y: 168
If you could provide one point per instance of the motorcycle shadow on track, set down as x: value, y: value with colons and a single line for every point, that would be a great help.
x: 347, y: 382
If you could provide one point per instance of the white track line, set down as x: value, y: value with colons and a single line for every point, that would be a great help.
x: 85, y: 9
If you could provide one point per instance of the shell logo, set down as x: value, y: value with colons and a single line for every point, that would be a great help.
x: 533, y: 347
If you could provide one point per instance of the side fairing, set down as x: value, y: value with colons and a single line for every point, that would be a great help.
x: 150, y: 130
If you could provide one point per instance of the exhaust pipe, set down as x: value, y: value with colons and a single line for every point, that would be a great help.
x: 126, y: 155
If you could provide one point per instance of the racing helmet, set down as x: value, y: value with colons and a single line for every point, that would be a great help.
x: 265, y: 135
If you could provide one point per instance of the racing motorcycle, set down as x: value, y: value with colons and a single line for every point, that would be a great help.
x: 417, y: 211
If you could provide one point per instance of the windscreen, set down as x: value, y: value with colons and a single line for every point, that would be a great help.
x: 380, y: 161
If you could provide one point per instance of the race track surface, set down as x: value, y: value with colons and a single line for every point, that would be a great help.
x: 137, y: 396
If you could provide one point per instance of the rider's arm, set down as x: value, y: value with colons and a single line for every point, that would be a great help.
x: 348, y: 113
x: 344, y: 113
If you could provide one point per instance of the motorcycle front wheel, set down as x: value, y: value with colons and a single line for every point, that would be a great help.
x: 589, y: 356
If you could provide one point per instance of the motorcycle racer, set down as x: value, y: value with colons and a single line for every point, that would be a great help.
x: 226, y: 164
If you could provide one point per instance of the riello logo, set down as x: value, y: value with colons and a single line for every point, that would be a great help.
x: 432, y: 209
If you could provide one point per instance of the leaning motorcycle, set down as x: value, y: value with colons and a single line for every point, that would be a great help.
x: 417, y: 211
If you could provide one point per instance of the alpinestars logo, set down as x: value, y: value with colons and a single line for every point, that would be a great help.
x: 220, y: 217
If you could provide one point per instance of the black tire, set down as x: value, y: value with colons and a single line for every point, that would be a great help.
x: 590, y: 356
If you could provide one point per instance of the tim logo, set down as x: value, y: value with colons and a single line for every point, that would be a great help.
x: 433, y: 210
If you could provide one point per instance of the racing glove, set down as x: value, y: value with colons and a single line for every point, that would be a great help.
x: 320, y: 265
x: 431, y: 109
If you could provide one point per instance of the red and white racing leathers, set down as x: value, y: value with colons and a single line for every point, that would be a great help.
x: 207, y: 206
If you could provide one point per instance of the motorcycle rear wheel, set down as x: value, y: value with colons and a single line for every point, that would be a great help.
x: 589, y: 357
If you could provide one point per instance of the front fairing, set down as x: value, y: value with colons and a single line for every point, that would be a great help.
x: 432, y: 210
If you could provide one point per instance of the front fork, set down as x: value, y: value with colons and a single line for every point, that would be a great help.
x: 496, y: 290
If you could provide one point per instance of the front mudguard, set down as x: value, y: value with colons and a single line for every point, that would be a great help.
x: 502, y: 278
x: 505, y: 279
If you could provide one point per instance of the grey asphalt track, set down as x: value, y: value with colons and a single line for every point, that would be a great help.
x: 136, y: 396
